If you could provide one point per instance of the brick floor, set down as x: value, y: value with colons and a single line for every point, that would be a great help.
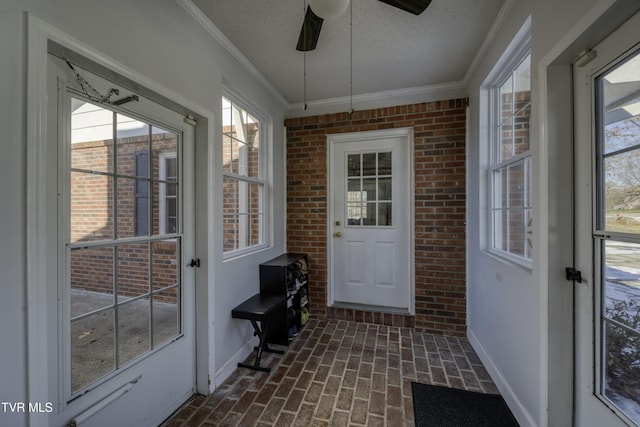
x: 339, y: 373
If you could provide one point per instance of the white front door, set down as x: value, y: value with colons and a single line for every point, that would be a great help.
x: 122, y: 316
x: 370, y: 219
x: 607, y: 159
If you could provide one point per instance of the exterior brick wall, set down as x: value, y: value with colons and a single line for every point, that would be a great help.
x: 440, y: 198
x: 92, y: 269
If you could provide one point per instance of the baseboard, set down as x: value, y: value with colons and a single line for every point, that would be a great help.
x: 519, y: 411
x: 232, y: 363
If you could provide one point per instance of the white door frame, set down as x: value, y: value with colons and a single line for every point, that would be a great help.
x: 555, y: 194
x: 332, y: 139
x: 38, y: 363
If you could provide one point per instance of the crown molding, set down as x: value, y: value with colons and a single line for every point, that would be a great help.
x: 214, y: 31
x: 489, y: 38
x: 388, y: 98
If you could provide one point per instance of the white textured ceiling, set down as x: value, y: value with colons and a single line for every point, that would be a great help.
x: 392, y: 49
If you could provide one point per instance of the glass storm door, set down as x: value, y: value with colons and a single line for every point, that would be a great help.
x: 125, y: 314
x: 608, y: 232
x: 369, y: 239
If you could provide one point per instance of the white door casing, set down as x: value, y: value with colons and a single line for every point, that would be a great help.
x: 371, y: 220
x: 598, y: 240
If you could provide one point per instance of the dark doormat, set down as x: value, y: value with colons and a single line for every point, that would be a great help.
x: 436, y: 406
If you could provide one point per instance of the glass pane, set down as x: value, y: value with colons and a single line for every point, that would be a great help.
x: 369, y: 164
x: 505, y: 106
x: 132, y: 270
x: 164, y: 263
x: 622, y: 283
x: 91, y: 280
x: 369, y: 190
x: 370, y: 217
x: 516, y: 189
x: 226, y: 116
x: 517, y: 232
x: 229, y: 155
x: 252, y: 166
x: 164, y: 145
x: 505, y: 141
x: 621, y: 192
x: 621, y: 101
x: 252, y: 132
x: 91, y: 207
x: 384, y: 188
x: 354, y: 189
x: 384, y: 214
x: 384, y: 163
x: 353, y: 165
x: 622, y: 370
x: 521, y: 130
x: 133, y: 137
x: 91, y: 137
x: 355, y: 212
x: 132, y: 208
x: 230, y: 237
x: 92, y: 348
x: 499, y: 229
x: 166, y: 324
x: 134, y: 337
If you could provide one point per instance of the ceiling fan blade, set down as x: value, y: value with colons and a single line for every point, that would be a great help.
x: 413, y: 6
x: 309, y: 32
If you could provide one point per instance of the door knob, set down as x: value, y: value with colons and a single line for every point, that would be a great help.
x: 337, y: 234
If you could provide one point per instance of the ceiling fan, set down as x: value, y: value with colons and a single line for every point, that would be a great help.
x: 312, y: 23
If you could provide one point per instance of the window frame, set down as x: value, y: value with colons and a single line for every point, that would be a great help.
x: 262, y: 181
x: 503, y: 71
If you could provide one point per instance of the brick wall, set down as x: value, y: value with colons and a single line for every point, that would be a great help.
x: 440, y: 195
x: 92, y: 269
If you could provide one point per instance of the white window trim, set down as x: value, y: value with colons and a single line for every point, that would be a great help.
x: 262, y: 180
x: 162, y: 192
x: 517, y: 50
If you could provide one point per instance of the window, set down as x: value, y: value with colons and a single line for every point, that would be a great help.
x: 244, y: 182
x: 369, y: 189
x: 510, y: 161
x: 167, y: 193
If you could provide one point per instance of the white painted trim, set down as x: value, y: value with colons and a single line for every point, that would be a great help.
x: 517, y: 407
x: 37, y: 360
x: 406, y: 133
x: 382, y: 99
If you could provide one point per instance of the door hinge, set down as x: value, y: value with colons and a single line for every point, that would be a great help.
x: 573, y: 274
x: 194, y: 263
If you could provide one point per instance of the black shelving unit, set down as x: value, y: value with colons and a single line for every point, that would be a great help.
x: 287, y: 275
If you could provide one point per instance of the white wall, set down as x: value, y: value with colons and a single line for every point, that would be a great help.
x: 520, y: 320
x: 161, y: 41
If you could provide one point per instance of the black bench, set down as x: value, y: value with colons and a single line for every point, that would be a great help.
x: 260, y: 308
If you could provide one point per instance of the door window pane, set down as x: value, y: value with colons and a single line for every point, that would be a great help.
x: 369, y: 198
x: 621, y: 323
x: 110, y: 282
x: 618, y: 198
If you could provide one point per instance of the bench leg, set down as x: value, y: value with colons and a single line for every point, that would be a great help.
x: 263, y: 346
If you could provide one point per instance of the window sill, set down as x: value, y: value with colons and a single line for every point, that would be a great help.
x: 507, y: 258
x: 228, y: 256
